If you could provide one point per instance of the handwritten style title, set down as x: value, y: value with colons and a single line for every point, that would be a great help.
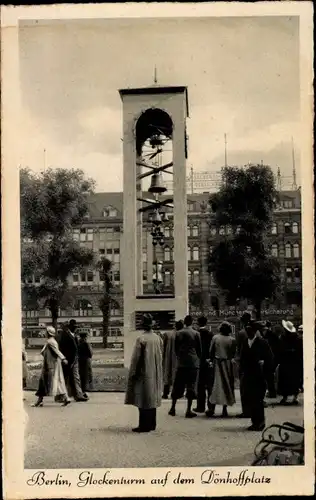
x: 89, y: 478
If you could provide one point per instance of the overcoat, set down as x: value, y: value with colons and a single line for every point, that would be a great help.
x: 222, y: 352
x: 52, y: 380
x: 145, y: 380
x: 291, y: 364
x: 169, y: 358
x: 85, y: 365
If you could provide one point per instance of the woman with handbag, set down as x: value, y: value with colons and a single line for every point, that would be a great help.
x: 52, y: 380
x: 222, y: 352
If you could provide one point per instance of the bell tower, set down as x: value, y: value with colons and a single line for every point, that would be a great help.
x: 154, y: 120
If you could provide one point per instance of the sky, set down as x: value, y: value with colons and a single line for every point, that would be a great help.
x: 242, y: 76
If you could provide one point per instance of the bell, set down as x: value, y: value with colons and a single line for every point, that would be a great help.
x: 156, y: 218
x: 156, y: 185
x: 165, y: 217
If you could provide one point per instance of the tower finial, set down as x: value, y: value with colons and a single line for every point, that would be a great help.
x: 294, y: 185
x: 155, y: 74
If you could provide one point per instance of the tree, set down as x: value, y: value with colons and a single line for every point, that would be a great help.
x: 196, y: 300
x: 241, y: 262
x: 52, y: 202
x: 107, y: 301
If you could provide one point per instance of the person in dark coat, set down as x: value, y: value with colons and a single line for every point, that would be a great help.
x: 68, y: 344
x: 145, y: 381
x: 188, y: 351
x: 84, y: 359
x: 255, y: 361
x: 169, y: 359
x: 241, y: 337
x: 273, y: 340
x: 203, y: 386
x: 291, y: 365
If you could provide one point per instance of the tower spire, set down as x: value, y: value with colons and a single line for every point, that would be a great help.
x: 294, y: 185
x: 279, y: 180
x: 225, y: 140
x: 155, y: 75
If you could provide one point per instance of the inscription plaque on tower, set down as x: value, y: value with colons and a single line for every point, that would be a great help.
x: 164, y: 320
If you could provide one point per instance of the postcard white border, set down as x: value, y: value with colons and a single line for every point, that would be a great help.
x: 284, y: 480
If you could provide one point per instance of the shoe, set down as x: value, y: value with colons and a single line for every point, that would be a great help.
x: 79, y: 400
x: 199, y: 410
x: 224, y: 414
x: 172, y: 412
x: 139, y: 430
x: 256, y: 427
x: 295, y: 402
x: 37, y: 404
x: 209, y: 413
x: 66, y: 403
x: 190, y: 414
x: 265, y: 404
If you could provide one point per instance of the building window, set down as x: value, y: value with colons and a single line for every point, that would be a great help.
x: 189, y: 253
x: 274, y: 250
x: 189, y: 277
x: 167, y: 254
x: 101, y: 251
x: 191, y: 206
x: 75, y: 277
x: 213, y: 230
x: 83, y: 308
x: 295, y: 228
x: 167, y: 278
x: 110, y: 212
x: 221, y: 231
x: 83, y: 234
x: 76, y: 234
x: 195, y: 231
x: 287, y: 203
x: 287, y: 228
x: 195, y: 253
x: 89, y: 234
x: 274, y: 228
x: 144, y: 256
x: 288, y: 251
x: 115, y: 312
x: 90, y: 276
x: 297, y: 274
x: 196, y: 277
x: 296, y: 251
x: 288, y: 273
x: 211, y: 250
x: 116, y: 277
x: 189, y: 231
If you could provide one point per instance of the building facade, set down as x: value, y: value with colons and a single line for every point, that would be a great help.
x: 102, y: 232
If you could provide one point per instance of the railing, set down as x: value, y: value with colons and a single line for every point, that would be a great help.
x: 280, y: 445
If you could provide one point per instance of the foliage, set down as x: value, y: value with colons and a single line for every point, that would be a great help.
x: 107, y: 300
x: 240, y: 262
x: 196, y: 300
x: 51, y: 203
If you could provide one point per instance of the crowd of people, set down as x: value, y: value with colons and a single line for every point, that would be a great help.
x: 189, y: 361
x: 204, y: 366
x: 66, y: 369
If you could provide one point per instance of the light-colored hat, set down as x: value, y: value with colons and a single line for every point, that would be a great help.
x: 288, y: 325
x: 51, y: 331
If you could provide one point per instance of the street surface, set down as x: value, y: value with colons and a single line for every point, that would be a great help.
x: 97, y: 434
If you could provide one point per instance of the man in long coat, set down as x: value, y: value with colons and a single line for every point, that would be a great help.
x: 256, y: 361
x: 241, y: 337
x: 68, y: 345
x: 204, y: 382
x: 145, y: 381
x: 169, y: 361
x: 188, y: 351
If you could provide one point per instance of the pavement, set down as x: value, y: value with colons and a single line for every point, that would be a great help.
x: 97, y: 434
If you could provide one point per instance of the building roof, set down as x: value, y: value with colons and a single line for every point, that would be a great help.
x: 158, y: 90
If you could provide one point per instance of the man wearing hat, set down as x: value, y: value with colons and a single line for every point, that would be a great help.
x: 145, y: 380
x: 68, y: 345
x: 291, y: 363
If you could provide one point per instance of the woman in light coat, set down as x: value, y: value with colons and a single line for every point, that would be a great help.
x: 145, y: 380
x: 222, y: 352
x: 52, y: 380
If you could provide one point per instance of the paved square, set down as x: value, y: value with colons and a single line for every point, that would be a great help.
x: 97, y: 434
